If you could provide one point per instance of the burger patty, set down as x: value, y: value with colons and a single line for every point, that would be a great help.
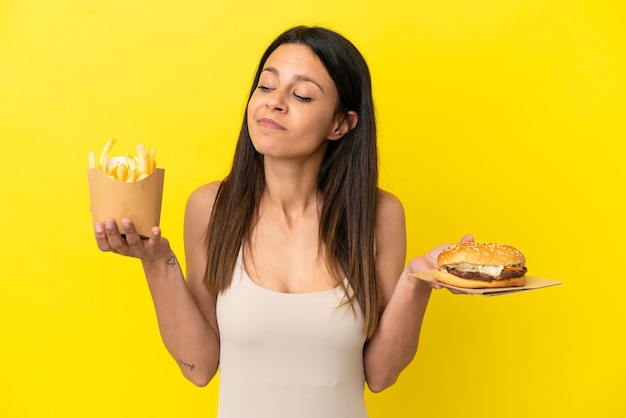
x: 476, y: 275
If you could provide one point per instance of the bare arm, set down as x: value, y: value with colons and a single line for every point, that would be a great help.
x: 395, y: 341
x: 185, y: 309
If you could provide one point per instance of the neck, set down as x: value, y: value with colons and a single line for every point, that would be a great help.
x: 290, y: 188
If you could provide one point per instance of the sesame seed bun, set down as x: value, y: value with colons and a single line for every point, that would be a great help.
x: 483, y: 253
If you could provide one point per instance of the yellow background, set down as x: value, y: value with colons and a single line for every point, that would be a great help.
x: 500, y: 118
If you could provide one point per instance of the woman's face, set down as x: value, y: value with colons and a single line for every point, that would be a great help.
x: 291, y: 114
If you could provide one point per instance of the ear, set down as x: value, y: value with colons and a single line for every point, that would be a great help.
x: 344, y: 123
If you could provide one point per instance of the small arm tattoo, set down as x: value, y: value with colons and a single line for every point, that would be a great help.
x: 171, y: 261
x: 190, y: 366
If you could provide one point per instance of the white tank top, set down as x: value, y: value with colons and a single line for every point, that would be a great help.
x: 286, y: 355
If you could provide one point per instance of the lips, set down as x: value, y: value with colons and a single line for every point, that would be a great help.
x: 270, y: 124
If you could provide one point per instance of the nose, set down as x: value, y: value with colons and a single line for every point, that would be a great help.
x: 276, y: 101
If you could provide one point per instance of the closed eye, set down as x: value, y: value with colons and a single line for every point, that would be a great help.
x: 302, y: 98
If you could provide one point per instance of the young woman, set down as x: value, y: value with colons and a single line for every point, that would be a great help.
x: 295, y: 285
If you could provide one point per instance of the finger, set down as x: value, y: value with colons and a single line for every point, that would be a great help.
x: 133, y: 239
x: 101, y: 237
x: 467, y: 238
x: 432, y: 255
x: 155, y: 236
x: 156, y: 243
x: 116, y: 242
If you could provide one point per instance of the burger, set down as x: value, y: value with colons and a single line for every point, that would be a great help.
x: 477, y: 265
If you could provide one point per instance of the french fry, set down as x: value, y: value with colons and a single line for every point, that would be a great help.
x: 111, y: 171
x: 127, y: 168
x: 104, y: 157
x: 122, y: 171
x: 142, y: 160
x: 132, y: 169
x: 151, y: 160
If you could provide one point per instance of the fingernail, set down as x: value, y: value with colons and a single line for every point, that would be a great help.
x: 109, y: 225
x: 126, y: 224
x: 99, y: 228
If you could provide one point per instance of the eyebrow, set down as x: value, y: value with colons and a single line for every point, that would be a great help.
x: 297, y: 77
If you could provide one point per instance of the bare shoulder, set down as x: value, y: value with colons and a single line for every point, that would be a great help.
x: 389, y: 206
x: 390, y: 221
x: 390, y: 242
x: 197, y: 216
x: 204, y: 195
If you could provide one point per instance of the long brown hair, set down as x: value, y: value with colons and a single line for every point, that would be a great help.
x: 348, y: 181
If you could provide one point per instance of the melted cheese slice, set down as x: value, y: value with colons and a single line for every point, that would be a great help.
x: 490, y: 270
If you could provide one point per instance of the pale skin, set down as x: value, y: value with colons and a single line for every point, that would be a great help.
x: 291, y: 120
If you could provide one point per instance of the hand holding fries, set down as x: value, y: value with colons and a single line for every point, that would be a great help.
x: 125, y: 168
x: 126, y: 187
x: 128, y: 242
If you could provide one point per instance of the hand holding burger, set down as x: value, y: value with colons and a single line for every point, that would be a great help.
x: 478, y: 265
